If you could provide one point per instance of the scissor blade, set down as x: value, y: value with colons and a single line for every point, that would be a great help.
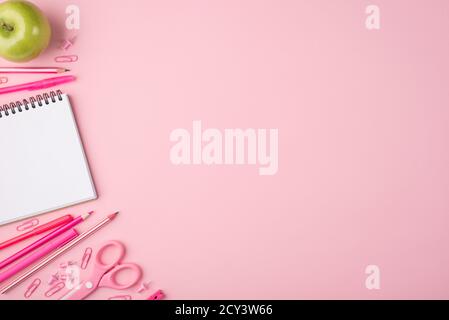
x: 72, y: 292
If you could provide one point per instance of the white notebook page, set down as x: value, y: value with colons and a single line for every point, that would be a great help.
x: 42, y: 162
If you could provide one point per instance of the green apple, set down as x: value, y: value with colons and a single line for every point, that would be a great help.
x: 24, y: 31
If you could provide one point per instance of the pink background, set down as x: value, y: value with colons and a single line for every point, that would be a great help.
x: 363, y: 142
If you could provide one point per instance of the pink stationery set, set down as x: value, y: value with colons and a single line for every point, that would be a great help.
x: 46, y: 169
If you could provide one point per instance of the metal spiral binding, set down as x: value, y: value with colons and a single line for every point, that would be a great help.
x: 12, y: 108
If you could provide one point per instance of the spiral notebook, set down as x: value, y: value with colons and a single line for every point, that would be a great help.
x: 42, y: 161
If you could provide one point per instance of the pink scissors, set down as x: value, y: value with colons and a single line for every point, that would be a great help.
x: 105, y: 275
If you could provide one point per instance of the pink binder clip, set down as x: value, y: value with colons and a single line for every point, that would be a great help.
x: 3, y: 80
x: 32, y: 288
x: 27, y: 225
x: 159, y: 295
x: 126, y: 297
x: 65, y: 59
x: 86, y: 258
x: 55, y: 289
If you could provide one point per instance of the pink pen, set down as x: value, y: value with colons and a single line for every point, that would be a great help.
x: 39, y: 243
x: 25, y: 263
x: 38, y: 85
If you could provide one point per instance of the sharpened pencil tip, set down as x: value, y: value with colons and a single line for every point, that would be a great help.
x: 112, y: 216
x: 86, y: 215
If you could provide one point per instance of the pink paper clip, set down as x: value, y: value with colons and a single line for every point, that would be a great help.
x: 65, y: 59
x: 86, y: 258
x: 32, y: 288
x: 55, y: 289
x: 3, y: 80
x: 159, y: 295
x: 127, y: 297
x: 27, y: 225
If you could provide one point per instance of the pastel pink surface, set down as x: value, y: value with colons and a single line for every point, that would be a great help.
x: 363, y: 143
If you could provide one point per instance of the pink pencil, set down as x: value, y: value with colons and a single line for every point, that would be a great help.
x: 32, y: 70
x: 52, y: 256
x: 28, y: 261
x: 39, y: 243
x: 38, y: 85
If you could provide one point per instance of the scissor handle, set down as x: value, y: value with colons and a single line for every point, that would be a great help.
x: 121, y: 254
x: 110, y: 279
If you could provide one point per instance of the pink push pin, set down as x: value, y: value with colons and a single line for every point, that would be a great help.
x: 67, y: 44
x: 54, y: 278
x: 143, y: 287
x: 63, y: 277
x: 65, y: 265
